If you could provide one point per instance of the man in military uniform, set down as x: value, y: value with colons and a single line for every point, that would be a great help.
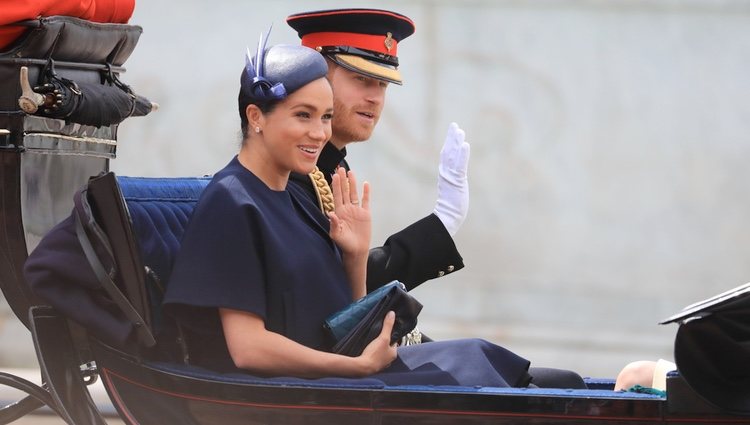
x: 361, y: 47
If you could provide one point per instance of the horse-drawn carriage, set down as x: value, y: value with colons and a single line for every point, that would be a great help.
x: 128, y: 230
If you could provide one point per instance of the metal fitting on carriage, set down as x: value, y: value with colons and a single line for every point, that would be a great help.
x: 30, y: 101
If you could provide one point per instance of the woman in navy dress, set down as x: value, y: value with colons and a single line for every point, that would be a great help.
x: 261, y: 267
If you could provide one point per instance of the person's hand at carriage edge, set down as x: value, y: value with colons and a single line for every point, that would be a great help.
x: 645, y: 374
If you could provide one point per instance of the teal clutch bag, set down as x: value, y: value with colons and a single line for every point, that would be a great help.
x: 355, y: 326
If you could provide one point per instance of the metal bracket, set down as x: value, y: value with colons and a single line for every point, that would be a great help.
x: 89, y: 373
x: 5, y: 143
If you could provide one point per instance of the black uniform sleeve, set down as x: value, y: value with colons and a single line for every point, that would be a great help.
x: 420, y: 252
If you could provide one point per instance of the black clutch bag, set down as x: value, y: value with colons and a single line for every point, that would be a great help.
x: 361, y: 321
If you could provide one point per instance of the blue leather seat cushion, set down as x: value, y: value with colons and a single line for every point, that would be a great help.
x: 160, y: 209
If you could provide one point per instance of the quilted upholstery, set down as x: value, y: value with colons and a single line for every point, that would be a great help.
x: 160, y: 209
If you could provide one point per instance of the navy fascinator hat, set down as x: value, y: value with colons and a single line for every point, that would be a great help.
x: 277, y: 71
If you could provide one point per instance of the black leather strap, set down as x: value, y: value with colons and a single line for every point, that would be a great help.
x: 143, y: 332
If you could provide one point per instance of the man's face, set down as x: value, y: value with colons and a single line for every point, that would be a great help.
x: 357, y: 103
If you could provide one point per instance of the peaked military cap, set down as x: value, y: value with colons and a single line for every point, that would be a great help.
x: 362, y: 40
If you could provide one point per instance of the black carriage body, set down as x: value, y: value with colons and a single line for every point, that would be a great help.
x: 160, y: 209
x: 44, y: 161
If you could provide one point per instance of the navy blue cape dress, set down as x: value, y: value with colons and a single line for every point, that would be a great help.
x: 267, y: 252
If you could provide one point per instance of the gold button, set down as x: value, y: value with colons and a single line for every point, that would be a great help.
x: 441, y: 273
x: 451, y: 268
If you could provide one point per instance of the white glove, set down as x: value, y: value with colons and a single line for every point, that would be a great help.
x: 453, y: 185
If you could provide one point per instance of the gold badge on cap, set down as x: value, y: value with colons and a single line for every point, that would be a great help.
x: 388, y: 41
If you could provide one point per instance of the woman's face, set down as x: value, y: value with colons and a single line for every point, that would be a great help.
x: 296, y: 130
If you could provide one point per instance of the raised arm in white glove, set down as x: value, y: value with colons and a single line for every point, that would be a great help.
x: 453, y: 185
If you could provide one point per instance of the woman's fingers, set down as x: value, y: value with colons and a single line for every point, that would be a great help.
x: 339, y: 187
x: 344, y: 188
x: 335, y: 223
x: 336, y: 190
x: 353, y: 198
x: 345, y: 185
x: 366, y: 196
x: 390, y: 319
x: 380, y: 351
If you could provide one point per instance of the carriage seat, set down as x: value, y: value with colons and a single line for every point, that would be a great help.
x: 160, y: 209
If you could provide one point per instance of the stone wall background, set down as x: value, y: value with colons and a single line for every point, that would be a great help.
x: 608, y: 170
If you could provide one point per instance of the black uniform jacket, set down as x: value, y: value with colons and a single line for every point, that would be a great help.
x: 422, y: 251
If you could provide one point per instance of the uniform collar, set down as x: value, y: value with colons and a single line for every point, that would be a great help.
x: 330, y: 158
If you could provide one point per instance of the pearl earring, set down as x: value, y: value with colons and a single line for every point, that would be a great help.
x: 257, y: 129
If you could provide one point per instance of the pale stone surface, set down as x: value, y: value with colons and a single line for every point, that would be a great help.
x: 609, y: 142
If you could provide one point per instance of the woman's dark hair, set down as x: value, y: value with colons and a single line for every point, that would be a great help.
x: 244, y: 100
